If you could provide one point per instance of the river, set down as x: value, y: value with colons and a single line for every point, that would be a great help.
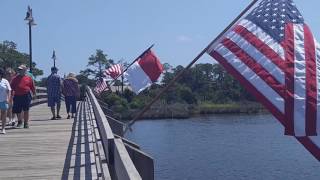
x: 226, y: 147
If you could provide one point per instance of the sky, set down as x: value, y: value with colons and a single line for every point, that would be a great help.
x: 123, y: 29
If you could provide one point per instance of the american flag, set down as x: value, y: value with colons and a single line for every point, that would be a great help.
x: 273, y: 53
x: 101, y: 85
x: 114, y: 71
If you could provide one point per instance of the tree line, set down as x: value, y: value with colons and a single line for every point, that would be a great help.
x: 204, y: 86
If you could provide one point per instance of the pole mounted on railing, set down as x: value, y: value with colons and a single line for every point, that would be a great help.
x: 179, y: 75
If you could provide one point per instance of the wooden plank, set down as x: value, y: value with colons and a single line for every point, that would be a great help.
x: 49, y: 149
x: 38, y: 152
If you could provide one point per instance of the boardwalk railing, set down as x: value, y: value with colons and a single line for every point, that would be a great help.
x: 41, y: 96
x: 123, y: 158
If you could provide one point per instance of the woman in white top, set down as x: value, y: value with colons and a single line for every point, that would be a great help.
x: 5, y: 93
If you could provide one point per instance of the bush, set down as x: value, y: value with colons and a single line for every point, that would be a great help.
x: 187, y: 95
x: 113, y: 99
x: 137, y: 103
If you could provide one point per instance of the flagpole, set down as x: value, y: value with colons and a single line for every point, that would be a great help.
x: 122, y: 85
x: 131, y: 64
x: 178, y: 76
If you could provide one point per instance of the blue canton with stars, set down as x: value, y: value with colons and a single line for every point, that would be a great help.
x: 272, y: 16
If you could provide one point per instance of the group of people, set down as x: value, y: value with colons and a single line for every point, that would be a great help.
x: 68, y: 87
x: 16, y: 92
x: 18, y: 89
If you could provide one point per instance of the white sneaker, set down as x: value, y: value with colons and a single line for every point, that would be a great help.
x: 3, y: 132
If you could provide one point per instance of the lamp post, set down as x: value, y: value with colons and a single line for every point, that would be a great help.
x: 31, y: 22
x: 54, y: 58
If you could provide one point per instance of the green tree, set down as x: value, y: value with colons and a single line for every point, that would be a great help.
x: 97, y: 64
x: 11, y: 57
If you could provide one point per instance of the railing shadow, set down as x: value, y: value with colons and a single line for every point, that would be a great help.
x: 79, y: 144
x: 67, y: 162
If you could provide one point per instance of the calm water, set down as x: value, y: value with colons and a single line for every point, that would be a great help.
x: 224, y: 147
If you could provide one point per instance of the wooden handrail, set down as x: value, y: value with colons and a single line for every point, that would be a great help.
x: 41, y: 96
x: 120, y: 164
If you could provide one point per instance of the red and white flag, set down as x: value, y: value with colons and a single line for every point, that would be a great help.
x: 114, y: 71
x: 101, y: 85
x: 273, y: 53
x: 144, y: 72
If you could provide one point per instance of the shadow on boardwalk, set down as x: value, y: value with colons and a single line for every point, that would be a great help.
x: 79, y: 161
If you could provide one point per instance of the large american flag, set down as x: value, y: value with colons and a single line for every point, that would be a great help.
x: 273, y: 53
x: 101, y: 85
x: 114, y: 71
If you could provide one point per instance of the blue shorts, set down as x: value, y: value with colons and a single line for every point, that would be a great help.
x: 4, y: 105
x: 21, y: 102
x: 53, y: 100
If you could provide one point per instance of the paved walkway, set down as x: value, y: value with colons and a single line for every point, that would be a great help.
x: 50, y: 149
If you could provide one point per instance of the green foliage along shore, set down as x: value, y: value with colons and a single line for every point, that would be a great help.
x: 203, y: 89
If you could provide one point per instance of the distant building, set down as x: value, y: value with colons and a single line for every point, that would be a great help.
x: 118, y: 88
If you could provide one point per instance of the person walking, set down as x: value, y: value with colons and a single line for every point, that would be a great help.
x: 54, y: 92
x: 71, y: 91
x: 5, y: 93
x: 9, y: 75
x: 22, y: 87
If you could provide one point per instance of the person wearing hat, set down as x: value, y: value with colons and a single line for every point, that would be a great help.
x: 22, y: 87
x: 71, y: 91
x: 5, y: 93
x: 54, y: 93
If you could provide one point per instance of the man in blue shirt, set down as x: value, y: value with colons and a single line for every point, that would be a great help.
x: 54, y: 92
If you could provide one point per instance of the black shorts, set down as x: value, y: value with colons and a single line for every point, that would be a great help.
x: 21, y: 102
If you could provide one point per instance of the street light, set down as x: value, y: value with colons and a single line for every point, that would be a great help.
x: 31, y: 22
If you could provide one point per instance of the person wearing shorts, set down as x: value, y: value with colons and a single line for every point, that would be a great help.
x: 5, y: 91
x: 22, y: 86
x: 54, y: 92
x: 9, y: 75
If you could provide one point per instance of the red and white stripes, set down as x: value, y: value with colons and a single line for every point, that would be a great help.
x: 284, y: 76
x: 301, y: 81
x: 245, y: 53
x: 114, y: 71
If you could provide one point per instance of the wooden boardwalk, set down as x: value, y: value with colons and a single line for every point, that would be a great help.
x: 86, y: 147
x: 50, y: 149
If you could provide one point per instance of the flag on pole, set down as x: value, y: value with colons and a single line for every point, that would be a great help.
x: 101, y: 85
x: 273, y: 53
x: 114, y: 71
x: 145, y: 71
